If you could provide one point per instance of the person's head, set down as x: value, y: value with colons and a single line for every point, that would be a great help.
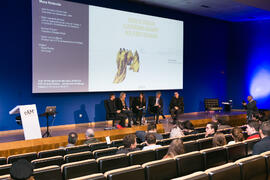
x: 129, y: 141
x: 176, y: 94
x: 219, y: 139
x: 122, y: 95
x: 179, y: 124
x: 89, y: 133
x: 237, y: 134
x: 21, y: 170
x: 249, y: 98
x: 176, y: 148
x: 150, y: 138
x: 158, y: 94
x: 72, y: 138
x: 252, y: 127
x: 141, y: 95
x: 151, y: 128
x: 265, y: 129
x: 214, y: 119
x: 211, y: 128
x: 112, y: 96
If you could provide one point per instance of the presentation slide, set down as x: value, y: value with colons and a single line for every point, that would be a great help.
x: 81, y: 48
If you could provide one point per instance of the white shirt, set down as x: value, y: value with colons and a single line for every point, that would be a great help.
x: 151, y: 147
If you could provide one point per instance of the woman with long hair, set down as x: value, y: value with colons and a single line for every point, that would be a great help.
x: 176, y: 148
x: 237, y: 135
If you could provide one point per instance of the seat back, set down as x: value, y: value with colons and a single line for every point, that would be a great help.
x: 140, y: 157
x: 205, y: 143
x: 51, y: 153
x: 227, y: 171
x: 191, y: 146
x: 104, y: 152
x: 4, y: 169
x: 97, y: 176
x: 229, y: 137
x: 50, y: 172
x: 44, y: 162
x: 161, y: 152
x: 78, y: 156
x: 117, y: 143
x: 150, y: 99
x: 98, y: 145
x: 189, y: 137
x: 253, y: 168
x: 3, y: 160
x: 166, y: 135
x: 77, y: 149
x: 160, y: 169
x: 189, y: 163
x: 28, y: 156
x: 165, y: 142
x: 112, y: 162
x: 5, y: 177
x: 109, y: 116
x: 214, y: 157
x: 131, y: 173
x: 200, y: 129
x: 80, y: 168
x: 249, y: 145
x: 194, y: 176
x: 236, y: 151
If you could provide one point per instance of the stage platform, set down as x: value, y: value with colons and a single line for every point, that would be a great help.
x: 12, y: 142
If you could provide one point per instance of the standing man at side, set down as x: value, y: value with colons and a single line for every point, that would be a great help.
x: 251, y: 107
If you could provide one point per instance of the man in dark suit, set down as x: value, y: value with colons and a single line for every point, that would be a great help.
x: 264, y: 144
x: 176, y: 107
x: 112, y: 110
x: 251, y: 107
x: 123, y: 110
x: 156, y: 106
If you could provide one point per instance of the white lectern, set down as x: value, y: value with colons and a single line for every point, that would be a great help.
x: 30, y: 122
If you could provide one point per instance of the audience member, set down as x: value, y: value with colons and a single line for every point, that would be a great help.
x: 222, y: 124
x: 150, y: 140
x: 89, y: 135
x: 177, y: 130
x: 176, y: 148
x: 253, y: 129
x: 72, y: 139
x: 219, y: 139
x: 264, y: 144
x: 151, y: 128
x: 237, y: 135
x: 130, y: 144
x: 211, y: 129
x: 176, y: 107
x: 21, y: 170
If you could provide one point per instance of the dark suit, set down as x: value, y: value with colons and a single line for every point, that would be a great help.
x: 111, y: 111
x: 262, y: 146
x: 176, y: 102
x: 141, y: 135
x: 156, y: 109
x: 251, y: 108
x: 138, y: 112
x: 125, y: 113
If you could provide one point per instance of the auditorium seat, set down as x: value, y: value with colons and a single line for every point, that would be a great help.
x: 266, y: 155
x: 200, y: 129
x: 205, y: 143
x: 161, y: 152
x: 236, y: 151
x: 98, y: 145
x: 97, y: 176
x: 200, y: 135
x: 214, y: 157
x: 190, y: 137
x: 140, y: 157
x: 52, y: 152
x: 4, y: 169
x: 76, y: 149
x: 5, y: 177
x: 194, y: 176
x: 112, y: 162
x: 78, y: 156
x: 80, y: 168
x: 135, y: 172
x: 249, y: 145
x: 28, y: 156
x: 225, y: 131
x: 253, y: 167
x: 3, y: 160
x: 117, y: 143
x: 189, y: 163
x: 165, y: 142
x: 104, y: 152
x: 191, y: 146
x: 50, y: 172
x: 229, y: 138
x: 43, y: 162
x: 227, y: 171
x: 166, y: 135
x: 160, y: 169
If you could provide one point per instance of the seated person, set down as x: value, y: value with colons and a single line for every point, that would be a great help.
x: 264, y: 144
x: 21, y: 169
x: 151, y: 128
x: 176, y: 148
x: 72, y: 139
x: 130, y: 144
x: 123, y: 110
x: 139, y: 105
x: 156, y: 106
x: 219, y: 139
x: 222, y: 124
x: 150, y: 140
x: 111, y: 108
x: 253, y: 129
x: 237, y: 135
x: 177, y: 130
x: 176, y: 107
x: 89, y: 135
x: 211, y: 129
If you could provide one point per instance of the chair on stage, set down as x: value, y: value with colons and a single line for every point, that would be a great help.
x: 212, y: 104
x: 109, y: 116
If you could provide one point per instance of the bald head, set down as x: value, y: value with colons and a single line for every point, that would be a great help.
x: 89, y: 133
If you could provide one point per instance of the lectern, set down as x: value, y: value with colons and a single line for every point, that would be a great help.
x: 30, y: 122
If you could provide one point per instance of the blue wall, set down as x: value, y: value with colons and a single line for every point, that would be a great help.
x: 249, y: 63
x: 205, y: 55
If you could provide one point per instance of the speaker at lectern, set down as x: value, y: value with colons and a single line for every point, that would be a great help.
x: 30, y: 122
